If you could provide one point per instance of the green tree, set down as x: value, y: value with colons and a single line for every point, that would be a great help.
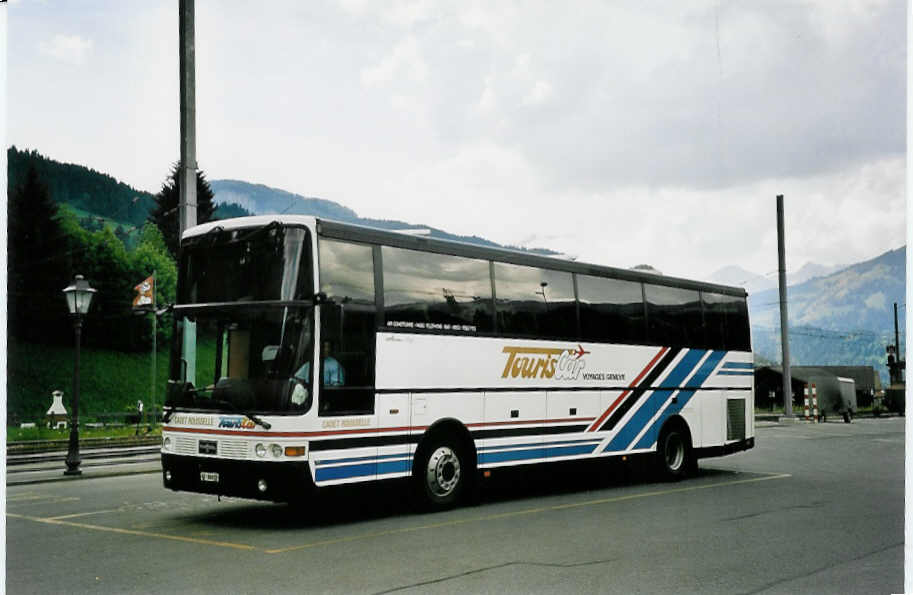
x: 37, y: 265
x: 151, y: 256
x: 165, y: 214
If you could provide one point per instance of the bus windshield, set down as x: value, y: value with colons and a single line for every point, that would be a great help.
x: 267, y: 263
x: 242, y: 359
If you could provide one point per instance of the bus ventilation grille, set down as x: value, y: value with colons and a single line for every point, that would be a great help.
x: 735, y: 419
x: 185, y: 446
x: 235, y: 449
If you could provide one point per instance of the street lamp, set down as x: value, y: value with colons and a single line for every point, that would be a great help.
x: 79, y: 298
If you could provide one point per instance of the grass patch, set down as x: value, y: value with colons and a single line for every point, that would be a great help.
x: 17, y: 434
x: 110, y: 381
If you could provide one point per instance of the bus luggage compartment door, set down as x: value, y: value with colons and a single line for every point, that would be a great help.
x: 394, y: 458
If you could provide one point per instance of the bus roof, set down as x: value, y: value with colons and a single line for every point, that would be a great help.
x: 373, y: 235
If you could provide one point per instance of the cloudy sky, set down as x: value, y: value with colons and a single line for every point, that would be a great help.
x: 618, y: 132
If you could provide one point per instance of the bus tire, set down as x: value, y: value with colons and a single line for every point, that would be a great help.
x: 441, y: 473
x: 673, y: 453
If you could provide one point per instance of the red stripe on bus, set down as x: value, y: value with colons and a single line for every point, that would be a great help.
x: 628, y: 390
x: 362, y: 430
x: 529, y: 421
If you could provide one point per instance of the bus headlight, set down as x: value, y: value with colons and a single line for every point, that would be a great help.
x: 276, y: 450
x: 166, y: 444
x: 260, y: 450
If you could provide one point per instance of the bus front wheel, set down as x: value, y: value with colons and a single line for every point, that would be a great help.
x: 440, y: 473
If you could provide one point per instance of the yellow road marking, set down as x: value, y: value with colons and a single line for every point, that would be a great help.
x: 48, y: 500
x: 525, y: 512
x: 29, y: 496
x: 238, y: 546
x: 79, y: 514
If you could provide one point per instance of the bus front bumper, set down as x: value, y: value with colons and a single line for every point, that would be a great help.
x: 259, y: 480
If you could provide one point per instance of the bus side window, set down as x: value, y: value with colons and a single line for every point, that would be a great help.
x: 347, y: 329
x: 674, y: 316
x: 611, y: 310
x: 347, y: 359
x: 535, y: 302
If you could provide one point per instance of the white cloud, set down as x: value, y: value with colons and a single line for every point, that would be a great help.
x: 539, y: 94
x: 404, y: 60
x: 71, y: 49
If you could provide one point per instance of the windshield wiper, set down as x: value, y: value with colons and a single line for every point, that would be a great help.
x: 220, y: 402
x: 266, y: 425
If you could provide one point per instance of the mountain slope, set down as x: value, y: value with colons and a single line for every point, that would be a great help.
x: 263, y: 200
x: 845, y: 318
x: 859, y: 297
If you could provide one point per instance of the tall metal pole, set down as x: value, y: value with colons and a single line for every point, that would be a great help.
x: 73, y: 460
x: 784, y: 318
x: 896, y: 336
x: 188, y: 178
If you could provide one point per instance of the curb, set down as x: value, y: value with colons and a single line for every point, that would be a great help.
x: 62, y: 477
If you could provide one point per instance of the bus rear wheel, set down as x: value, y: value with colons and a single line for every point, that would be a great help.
x: 440, y: 474
x: 674, y: 456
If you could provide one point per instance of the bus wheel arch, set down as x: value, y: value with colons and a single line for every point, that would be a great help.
x: 444, y: 465
x: 675, y: 457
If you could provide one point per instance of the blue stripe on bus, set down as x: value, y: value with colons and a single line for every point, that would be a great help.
x: 358, y: 459
x: 535, y: 444
x: 704, y: 372
x: 403, y: 466
x: 345, y: 472
x: 364, y: 469
x: 741, y: 365
x: 535, y: 453
x: 734, y: 373
x: 640, y: 419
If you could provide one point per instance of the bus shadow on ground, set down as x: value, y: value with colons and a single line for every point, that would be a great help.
x: 345, y: 505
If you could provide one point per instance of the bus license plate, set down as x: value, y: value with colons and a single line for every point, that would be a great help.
x: 209, y: 476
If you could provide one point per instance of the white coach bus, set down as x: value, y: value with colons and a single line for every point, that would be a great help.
x: 311, y: 353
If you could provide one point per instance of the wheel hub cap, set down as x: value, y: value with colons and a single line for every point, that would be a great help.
x: 443, y: 472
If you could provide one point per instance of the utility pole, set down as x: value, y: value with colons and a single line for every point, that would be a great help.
x: 187, y: 206
x: 784, y: 319
x: 188, y: 175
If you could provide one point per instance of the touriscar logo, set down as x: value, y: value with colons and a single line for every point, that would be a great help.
x: 236, y: 422
x: 544, y: 362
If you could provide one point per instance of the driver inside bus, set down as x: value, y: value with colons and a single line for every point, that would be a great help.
x: 333, y: 373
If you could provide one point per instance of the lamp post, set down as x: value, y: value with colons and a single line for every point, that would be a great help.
x: 79, y: 298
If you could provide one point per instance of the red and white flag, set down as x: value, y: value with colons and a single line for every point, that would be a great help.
x: 145, y: 293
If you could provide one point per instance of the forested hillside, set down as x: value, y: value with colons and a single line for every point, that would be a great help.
x: 83, y: 188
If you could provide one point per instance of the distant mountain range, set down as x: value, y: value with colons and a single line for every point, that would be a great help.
x: 755, y: 283
x: 263, y: 200
x: 844, y: 318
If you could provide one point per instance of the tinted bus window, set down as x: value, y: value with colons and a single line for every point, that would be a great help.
x: 246, y: 265
x: 346, y: 271
x: 673, y: 316
x: 347, y: 329
x: 436, y: 291
x: 535, y: 302
x: 611, y: 310
x: 726, y: 317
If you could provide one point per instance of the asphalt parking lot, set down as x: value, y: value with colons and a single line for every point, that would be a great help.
x: 813, y: 508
